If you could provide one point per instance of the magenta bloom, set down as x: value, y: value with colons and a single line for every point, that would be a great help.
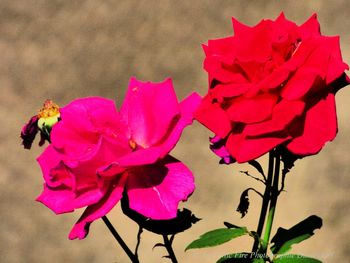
x: 97, y: 153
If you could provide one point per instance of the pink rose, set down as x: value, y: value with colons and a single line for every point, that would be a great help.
x: 272, y: 84
x: 97, y: 153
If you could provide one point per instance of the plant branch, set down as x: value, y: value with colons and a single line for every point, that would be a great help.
x: 138, y: 241
x: 169, y: 248
x: 265, y: 202
x: 121, y: 242
x: 260, y: 194
x: 273, y: 202
x: 252, y: 176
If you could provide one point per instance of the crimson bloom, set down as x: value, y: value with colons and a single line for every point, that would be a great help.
x: 97, y: 153
x: 272, y: 84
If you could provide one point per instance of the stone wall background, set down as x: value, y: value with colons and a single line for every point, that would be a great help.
x: 68, y: 49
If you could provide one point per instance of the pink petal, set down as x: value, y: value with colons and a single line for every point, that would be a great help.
x: 218, y: 147
x: 320, y: 127
x: 98, y: 210
x: 63, y: 200
x: 213, y: 117
x: 148, y: 109
x: 251, y: 110
x: 187, y: 108
x: 171, y: 137
x: 83, y: 120
x: 59, y: 200
x: 156, y: 190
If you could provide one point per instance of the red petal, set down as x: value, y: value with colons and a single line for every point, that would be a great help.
x: 283, y: 114
x: 251, y: 110
x: 239, y: 27
x: 213, y: 117
x: 300, y: 83
x: 310, y: 27
x: 244, y: 150
x: 320, y: 126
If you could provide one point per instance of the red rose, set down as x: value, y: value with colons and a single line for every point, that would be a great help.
x: 272, y: 84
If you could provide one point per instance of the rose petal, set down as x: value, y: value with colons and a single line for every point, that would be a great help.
x: 229, y: 90
x: 148, y: 109
x: 213, y: 117
x: 218, y: 147
x: 247, y: 47
x: 156, y: 190
x: 244, y: 149
x: 251, y: 110
x: 239, y: 27
x: 275, y: 79
x: 63, y: 200
x: 300, y: 83
x: 336, y: 65
x: 166, y: 144
x: 283, y: 114
x: 320, y: 127
x: 310, y: 27
x: 82, y: 122
x: 98, y: 210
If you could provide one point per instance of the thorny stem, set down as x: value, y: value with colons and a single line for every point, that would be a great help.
x: 169, y: 248
x: 266, y: 200
x: 121, y: 242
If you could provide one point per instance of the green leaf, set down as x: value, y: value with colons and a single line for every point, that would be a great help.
x: 284, y: 239
x: 217, y: 237
x: 290, y: 258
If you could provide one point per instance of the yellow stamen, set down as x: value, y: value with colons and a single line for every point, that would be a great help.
x: 48, y: 115
x: 49, y: 109
x: 132, y: 144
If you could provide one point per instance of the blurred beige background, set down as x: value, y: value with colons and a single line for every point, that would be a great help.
x: 68, y: 49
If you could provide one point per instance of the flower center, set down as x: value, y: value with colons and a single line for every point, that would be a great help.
x: 132, y: 144
x: 48, y: 115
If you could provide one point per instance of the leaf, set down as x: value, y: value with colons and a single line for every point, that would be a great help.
x: 257, y: 166
x: 284, y: 239
x: 291, y: 258
x: 217, y: 237
x: 243, y: 203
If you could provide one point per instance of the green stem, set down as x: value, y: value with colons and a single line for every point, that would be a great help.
x: 273, y: 202
x: 266, y: 200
